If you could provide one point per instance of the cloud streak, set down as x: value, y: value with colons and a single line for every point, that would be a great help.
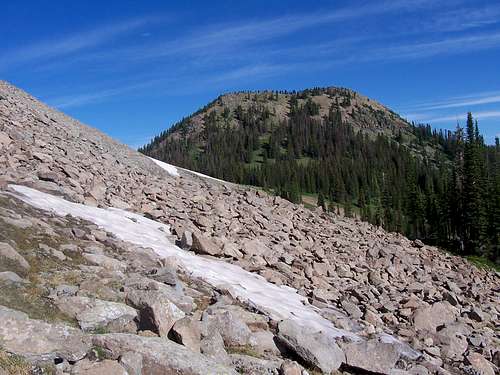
x: 422, y: 118
x: 473, y: 100
x: 71, y: 44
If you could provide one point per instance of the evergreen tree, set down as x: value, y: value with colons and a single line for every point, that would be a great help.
x: 321, y: 201
x: 474, y: 215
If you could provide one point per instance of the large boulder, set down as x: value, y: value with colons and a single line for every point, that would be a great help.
x: 234, y: 331
x: 246, y: 364
x: 431, y: 317
x: 106, y: 367
x: 160, y: 356
x: 480, y: 364
x: 105, y: 261
x: 186, y: 331
x: 313, y: 347
x: 204, y: 245
x: 372, y: 355
x: 212, y: 346
x: 156, y: 312
x: 93, y: 314
x: 8, y: 252
x: 40, y: 341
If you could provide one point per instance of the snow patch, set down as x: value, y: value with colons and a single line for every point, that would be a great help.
x: 174, y: 171
x: 169, y: 168
x: 277, y: 302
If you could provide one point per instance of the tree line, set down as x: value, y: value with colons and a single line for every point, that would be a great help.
x: 449, y: 196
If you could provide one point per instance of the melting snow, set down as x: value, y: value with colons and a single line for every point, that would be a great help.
x: 174, y: 171
x: 169, y: 168
x: 278, y: 302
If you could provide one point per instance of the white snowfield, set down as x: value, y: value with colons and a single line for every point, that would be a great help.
x: 169, y: 168
x: 277, y: 302
x: 174, y: 171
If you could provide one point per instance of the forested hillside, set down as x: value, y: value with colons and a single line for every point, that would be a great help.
x: 352, y: 155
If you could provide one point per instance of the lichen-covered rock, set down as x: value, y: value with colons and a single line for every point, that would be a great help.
x: 93, y: 314
x: 156, y: 312
x: 312, y: 347
x: 40, y: 341
x: 160, y: 356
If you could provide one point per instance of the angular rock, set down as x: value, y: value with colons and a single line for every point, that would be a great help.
x: 431, y: 317
x: 8, y: 252
x: 186, y: 331
x: 187, y: 240
x: 105, y: 367
x: 93, y: 314
x: 12, y: 278
x: 40, y: 341
x: 253, y: 247
x: 312, y: 347
x: 156, y: 312
x: 234, y: 332
x: 250, y: 365
x: 204, y: 245
x: 480, y: 364
x: 290, y: 368
x: 160, y: 356
x: 372, y: 355
x: 132, y: 362
x: 212, y: 346
x: 105, y: 261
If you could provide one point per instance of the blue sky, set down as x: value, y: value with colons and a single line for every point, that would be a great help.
x: 133, y: 68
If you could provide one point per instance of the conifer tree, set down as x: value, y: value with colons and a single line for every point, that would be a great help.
x: 474, y: 215
x: 321, y: 201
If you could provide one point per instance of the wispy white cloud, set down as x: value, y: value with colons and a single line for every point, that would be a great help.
x: 460, y: 117
x: 458, y: 18
x: 446, y: 46
x: 180, y: 85
x: 98, y: 95
x: 217, y: 39
x: 70, y: 44
x: 470, y: 100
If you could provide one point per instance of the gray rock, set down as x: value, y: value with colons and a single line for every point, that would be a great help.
x: 156, y: 312
x: 254, y: 366
x: 5, y: 140
x: 12, y: 278
x: 372, y: 355
x: 105, y: 367
x: 264, y: 343
x: 165, y: 275
x: 132, y: 362
x: 290, y: 368
x: 93, y: 314
x: 234, y: 332
x: 40, y: 341
x: 312, y: 347
x: 187, y: 240
x: 429, y: 318
x: 8, y: 252
x: 186, y: 331
x: 252, y: 247
x: 160, y: 356
x: 351, y: 309
x: 204, y: 245
x: 480, y: 364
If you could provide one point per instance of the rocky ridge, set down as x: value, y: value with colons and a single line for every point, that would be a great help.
x: 357, y: 110
x: 131, y: 311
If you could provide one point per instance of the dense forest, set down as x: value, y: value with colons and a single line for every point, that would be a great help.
x: 450, y: 197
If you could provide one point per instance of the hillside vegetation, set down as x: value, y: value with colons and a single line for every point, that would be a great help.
x: 356, y: 155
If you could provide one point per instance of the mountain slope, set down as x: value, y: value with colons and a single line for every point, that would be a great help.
x: 346, y: 152
x: 108, y: 276
x: 352, y: 150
